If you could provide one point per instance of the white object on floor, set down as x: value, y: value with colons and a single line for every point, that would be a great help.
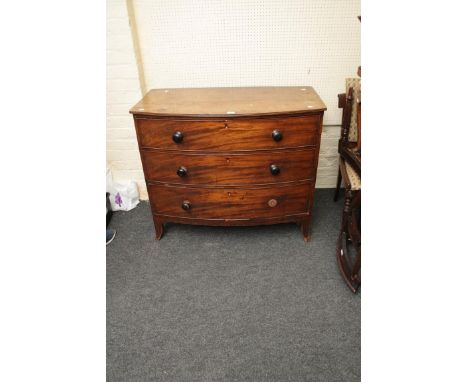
x: 124, y: 196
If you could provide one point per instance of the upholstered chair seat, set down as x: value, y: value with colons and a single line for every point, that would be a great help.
x: 353, y: 176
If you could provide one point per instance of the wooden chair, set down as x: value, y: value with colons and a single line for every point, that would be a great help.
x: 348, y: 248
x: 349, y: 145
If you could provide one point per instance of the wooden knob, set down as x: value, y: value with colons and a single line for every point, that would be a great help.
x: 177, y: 137
x: 272, y: 202
x: 277, y: 135
x: 181, y: 171
x: 274, y: 169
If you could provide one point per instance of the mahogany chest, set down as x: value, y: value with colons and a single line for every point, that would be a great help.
x: 230, y: 156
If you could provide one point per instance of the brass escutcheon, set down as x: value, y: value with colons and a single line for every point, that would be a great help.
x: 272, y: 202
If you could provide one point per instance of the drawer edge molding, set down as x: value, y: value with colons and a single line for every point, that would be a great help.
x: 225, y: 152
x: 227, y: 185
x: 234, y: 221
x: 253, y: 186
x: 204, y: 117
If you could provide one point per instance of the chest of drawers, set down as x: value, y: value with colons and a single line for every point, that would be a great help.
x: 230, y: 156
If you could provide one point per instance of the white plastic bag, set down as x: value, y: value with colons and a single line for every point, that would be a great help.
x: 123, y: 196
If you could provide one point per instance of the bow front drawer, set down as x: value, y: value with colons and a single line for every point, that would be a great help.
x: 229, y: 203
x: 229, y: 134
x: 234, y: 169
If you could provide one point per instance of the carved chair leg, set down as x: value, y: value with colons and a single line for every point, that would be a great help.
x: 348, y: 271
x: 342, y: 257
x: 159, y: 226
x: 356, y: 232
x: 338, y: 185
x: 346, y: 210
x: 357, y: 268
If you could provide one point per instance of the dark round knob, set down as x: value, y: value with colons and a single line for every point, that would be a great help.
x: 277, y: 135
x: 177, y: 137
x: 274, y: 169
x: 186, y: 205
x: 181, y: 171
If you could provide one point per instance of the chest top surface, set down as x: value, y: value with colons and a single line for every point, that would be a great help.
x: 229, y: 102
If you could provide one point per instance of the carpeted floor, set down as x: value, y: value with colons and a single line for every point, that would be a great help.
x: 229, y: 304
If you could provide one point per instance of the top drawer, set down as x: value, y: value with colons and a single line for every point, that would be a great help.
x: 229, y: 134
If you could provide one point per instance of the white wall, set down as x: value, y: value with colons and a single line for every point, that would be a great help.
x: 191, y: 43
x: 123, y: 90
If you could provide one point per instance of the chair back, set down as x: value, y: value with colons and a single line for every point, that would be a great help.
x: 350, y: 103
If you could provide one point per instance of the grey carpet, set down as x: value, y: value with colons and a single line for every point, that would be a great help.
x: 229, y: 304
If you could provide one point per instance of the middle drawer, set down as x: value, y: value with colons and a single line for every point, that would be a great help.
x: 233, y: 169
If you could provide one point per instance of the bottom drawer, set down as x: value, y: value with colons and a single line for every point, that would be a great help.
x: 229, y: 203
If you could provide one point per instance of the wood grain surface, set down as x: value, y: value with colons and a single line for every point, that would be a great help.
x: 229, y: 135
x: 227, y: 203
x: 230, y: 101
x: 230, y: 156
x: 228, y: 169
